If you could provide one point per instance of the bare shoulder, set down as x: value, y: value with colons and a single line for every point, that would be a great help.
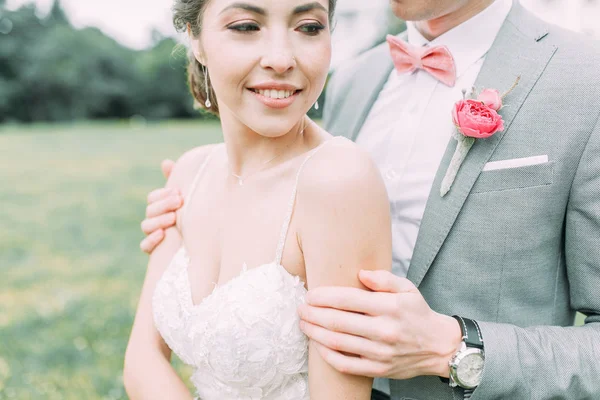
x: 344, y: 220
x: 340, y: 170
x: 187, y: 166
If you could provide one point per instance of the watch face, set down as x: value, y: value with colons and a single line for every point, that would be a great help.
x: 470, y: 369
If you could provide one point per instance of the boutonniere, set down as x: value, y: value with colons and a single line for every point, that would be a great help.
x: 475, y: 118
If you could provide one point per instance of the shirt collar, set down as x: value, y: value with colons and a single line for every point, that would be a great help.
x: 471, y: 40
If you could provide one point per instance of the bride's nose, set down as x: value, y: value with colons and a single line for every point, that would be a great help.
x: 279, y: 55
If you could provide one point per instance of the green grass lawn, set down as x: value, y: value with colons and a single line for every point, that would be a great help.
x: 71, y: 201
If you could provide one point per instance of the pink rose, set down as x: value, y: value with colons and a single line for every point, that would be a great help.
x: 491, y: 98
x: 475, y: 119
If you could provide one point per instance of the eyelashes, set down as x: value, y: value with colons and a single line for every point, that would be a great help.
x: 311, y: 29
x: 245, y: 27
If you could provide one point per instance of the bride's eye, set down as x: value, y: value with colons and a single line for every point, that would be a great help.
x: 311, y: 29
x: 245, y: 27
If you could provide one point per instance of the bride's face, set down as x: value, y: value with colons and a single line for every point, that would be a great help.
x: 267, y: 59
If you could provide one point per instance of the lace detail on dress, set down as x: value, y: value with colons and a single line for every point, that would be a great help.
x: 244, y: 339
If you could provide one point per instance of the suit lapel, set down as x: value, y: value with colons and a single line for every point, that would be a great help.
x: 514, y: 53
x: 362, y: 95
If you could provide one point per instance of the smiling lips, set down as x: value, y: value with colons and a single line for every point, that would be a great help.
x: 276, y: 97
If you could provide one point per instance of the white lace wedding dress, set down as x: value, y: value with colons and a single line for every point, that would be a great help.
x: 243, y: 339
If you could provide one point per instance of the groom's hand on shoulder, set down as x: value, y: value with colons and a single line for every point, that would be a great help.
x: 389, y: 331
x: 160, y: 212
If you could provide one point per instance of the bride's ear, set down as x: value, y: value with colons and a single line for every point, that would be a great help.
x: 196, y: 46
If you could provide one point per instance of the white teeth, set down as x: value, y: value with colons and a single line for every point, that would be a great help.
x: 276, y: 94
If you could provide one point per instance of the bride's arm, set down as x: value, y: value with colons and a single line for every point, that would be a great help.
x: 343, y: 227
x: 148, y: 373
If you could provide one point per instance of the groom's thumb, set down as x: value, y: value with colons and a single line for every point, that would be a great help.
x: 385, y: 281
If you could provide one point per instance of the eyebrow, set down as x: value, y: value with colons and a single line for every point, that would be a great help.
x: 309, y: 7
x: 245, y: 6
x: 261, y: 11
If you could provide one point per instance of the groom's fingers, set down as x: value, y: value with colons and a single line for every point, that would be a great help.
x: 352, y: 299
x: 160, y: 207
x: 163, y: 221
x: 336, y: 320
x: 149, y: 243
x: 351, y: 365
x: 385, y: 281
x: 161, y: 194
x: 345, y: 343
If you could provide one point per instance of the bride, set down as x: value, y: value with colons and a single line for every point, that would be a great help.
x: 280, y: 207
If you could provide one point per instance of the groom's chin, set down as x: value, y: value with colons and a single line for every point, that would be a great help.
x: 422, y: 10
x: 410, y: 10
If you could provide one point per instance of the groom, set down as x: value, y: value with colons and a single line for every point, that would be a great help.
x: 512, y: 250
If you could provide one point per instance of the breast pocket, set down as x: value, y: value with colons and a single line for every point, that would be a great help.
x: 514, y: 178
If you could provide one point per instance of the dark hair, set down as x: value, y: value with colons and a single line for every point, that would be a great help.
x: 190, y: 12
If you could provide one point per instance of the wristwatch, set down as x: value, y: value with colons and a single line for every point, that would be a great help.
x: 466, y: 366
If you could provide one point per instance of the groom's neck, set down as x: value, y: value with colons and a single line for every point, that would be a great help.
x: 432, y: 28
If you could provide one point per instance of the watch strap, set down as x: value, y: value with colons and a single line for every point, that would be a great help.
x: 470, y: 331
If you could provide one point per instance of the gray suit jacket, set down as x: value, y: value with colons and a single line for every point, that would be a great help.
x: 517, y: 249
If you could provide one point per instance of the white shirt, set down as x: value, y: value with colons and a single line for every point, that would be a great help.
x: 409, y: 127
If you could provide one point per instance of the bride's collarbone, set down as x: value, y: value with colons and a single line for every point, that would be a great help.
x: 227, y: 229
x: 218, y: 255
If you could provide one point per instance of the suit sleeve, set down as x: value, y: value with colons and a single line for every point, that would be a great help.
x: 557, y: 362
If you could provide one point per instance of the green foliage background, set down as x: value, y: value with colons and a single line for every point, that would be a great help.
x: 50, y: 71
x: 72, y: 198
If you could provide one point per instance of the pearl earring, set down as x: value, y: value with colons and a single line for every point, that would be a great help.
x: 207, y: 103
x: 317, y: 105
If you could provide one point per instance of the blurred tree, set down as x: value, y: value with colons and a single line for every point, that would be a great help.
x: 25, y: 27
x: 50, y: 71
x: 163, y: 70
x: 57, y: 14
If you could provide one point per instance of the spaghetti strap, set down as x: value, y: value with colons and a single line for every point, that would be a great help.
x: 188, y: 197
x: 292, y: 202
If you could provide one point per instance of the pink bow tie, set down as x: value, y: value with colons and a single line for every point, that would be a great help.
x: 437, y: 60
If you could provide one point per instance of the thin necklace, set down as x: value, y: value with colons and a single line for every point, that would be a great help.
x: 241, y: 178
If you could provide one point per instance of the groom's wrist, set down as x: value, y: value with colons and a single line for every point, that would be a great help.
x: 449, y: 340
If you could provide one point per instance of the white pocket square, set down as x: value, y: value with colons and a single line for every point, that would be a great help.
x: 515, y: 163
